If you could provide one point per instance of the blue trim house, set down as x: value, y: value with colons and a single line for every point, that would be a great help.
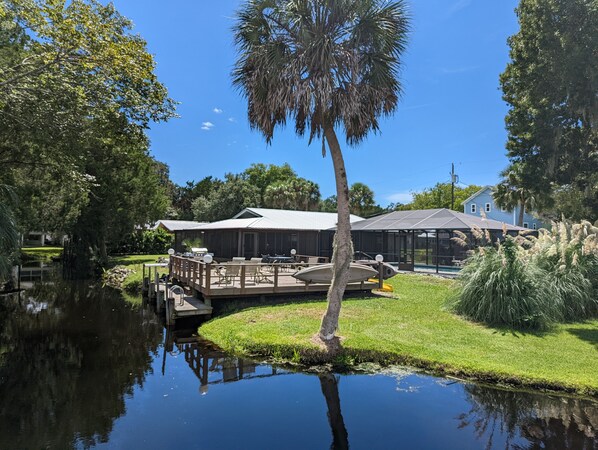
x: 482, y: 202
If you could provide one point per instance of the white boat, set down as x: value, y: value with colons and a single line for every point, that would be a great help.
x: 388, y: 270
x: 323, y: 273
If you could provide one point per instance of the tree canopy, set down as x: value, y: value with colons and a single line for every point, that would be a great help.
x: 439, y: 196
x: 551, y: 85
x: 77, y: 90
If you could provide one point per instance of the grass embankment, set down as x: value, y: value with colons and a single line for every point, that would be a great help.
x: 131, y: 283
x: 415, y: 330
x: 41, y: 253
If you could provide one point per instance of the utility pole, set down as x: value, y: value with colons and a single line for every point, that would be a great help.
x: 454, y: 179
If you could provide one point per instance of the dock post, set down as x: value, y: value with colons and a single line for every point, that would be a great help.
x: 157, y: 288
x: 170, y: 319
x: 380, y: 275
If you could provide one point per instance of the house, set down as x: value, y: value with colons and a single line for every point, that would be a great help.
x: 482, y: 204
x: 260, y: 231
x: 173, y: 225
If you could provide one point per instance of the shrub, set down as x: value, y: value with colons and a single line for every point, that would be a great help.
x: 498, y: 287
x: 531, y: 282
x: 569, y: 256
x: 150, y: 242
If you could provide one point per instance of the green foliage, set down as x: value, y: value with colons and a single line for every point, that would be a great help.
x: 297, y: 194
x: 77, y: 91
x: 9, y: 235
x: 439, y: 196
x: 147, y: 242
x: 530, y: 282
x: 499, y: 288
x: 550, y: 85
x: 514, y: 191
x: 231, y: 197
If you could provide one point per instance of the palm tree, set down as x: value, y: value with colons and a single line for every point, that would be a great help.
x: 324, y: 64
x: 9, y: 234
x: 512, y: 192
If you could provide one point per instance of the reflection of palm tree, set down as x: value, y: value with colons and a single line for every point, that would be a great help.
x: 544, y: 421
x: 340, y: 437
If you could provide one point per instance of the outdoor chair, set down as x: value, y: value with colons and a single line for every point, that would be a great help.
x: 233, y: 271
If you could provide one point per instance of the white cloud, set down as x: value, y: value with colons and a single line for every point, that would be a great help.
x: 458, y: 6
x: 218, y: 110
x: 232, y: 119
x: 400, y: 197
x: 207, y: 126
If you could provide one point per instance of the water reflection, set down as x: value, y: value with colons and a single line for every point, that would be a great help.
x: 544, y: 421
x: 70, y: 355
x: 79, y: 367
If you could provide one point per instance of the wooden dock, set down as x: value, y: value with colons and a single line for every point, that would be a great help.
x: 247, y: 279
x: 193, y: 284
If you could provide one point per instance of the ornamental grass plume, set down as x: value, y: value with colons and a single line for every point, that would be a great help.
x: 498, y: 287
x: 569, y: 255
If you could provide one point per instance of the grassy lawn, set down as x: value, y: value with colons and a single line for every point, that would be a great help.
x: 131, y: 286
x: 414, y: 329
x: 41, y: 253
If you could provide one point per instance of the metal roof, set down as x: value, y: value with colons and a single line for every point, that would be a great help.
x: 430, y: 219
x: 277, y: 219
x: 174, y: 225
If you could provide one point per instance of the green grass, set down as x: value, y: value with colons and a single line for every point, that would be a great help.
x: 41, y: 253
x: 132, y: 284
x: 414, y: 329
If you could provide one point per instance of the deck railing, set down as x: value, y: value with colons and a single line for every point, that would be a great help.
x: 240, y: 277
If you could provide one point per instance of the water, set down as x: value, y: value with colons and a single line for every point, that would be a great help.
x: 81, y: 368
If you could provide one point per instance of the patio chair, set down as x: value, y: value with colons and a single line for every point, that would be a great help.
x: 232, y: 272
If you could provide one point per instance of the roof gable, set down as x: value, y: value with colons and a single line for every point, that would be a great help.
x: 480, y: 192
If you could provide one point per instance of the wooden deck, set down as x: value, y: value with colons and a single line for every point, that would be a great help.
x: 223, y: 281
x: 234, y: 280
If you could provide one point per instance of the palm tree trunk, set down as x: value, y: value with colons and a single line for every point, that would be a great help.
x: 342, y: 252
x: 521, y: 212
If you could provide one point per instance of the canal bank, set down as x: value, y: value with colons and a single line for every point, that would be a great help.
x: 414, y: 329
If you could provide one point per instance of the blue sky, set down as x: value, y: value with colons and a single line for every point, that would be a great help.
x: 451, y: 110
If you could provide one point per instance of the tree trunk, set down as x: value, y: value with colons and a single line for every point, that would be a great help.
x: 342, y: 252
x: 521, y: 212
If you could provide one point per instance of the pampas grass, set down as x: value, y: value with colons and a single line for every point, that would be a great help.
x: 532, y: 282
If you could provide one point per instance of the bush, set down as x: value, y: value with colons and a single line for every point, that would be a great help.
x: 529, y: 282
x: 569, y: 256
x: 497, y: 287
x: 150, y: 242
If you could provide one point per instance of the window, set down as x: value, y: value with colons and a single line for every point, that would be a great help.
x: 525, y: 225
x: 535, y: 226
x: 488, y: 207
x: 473, y: 208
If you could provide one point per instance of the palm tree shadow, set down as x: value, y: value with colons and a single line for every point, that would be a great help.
x: 521, y: 332
x: 585, y: 334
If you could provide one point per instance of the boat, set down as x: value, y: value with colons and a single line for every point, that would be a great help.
x: 388, y: 270
x: 322, y: 273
